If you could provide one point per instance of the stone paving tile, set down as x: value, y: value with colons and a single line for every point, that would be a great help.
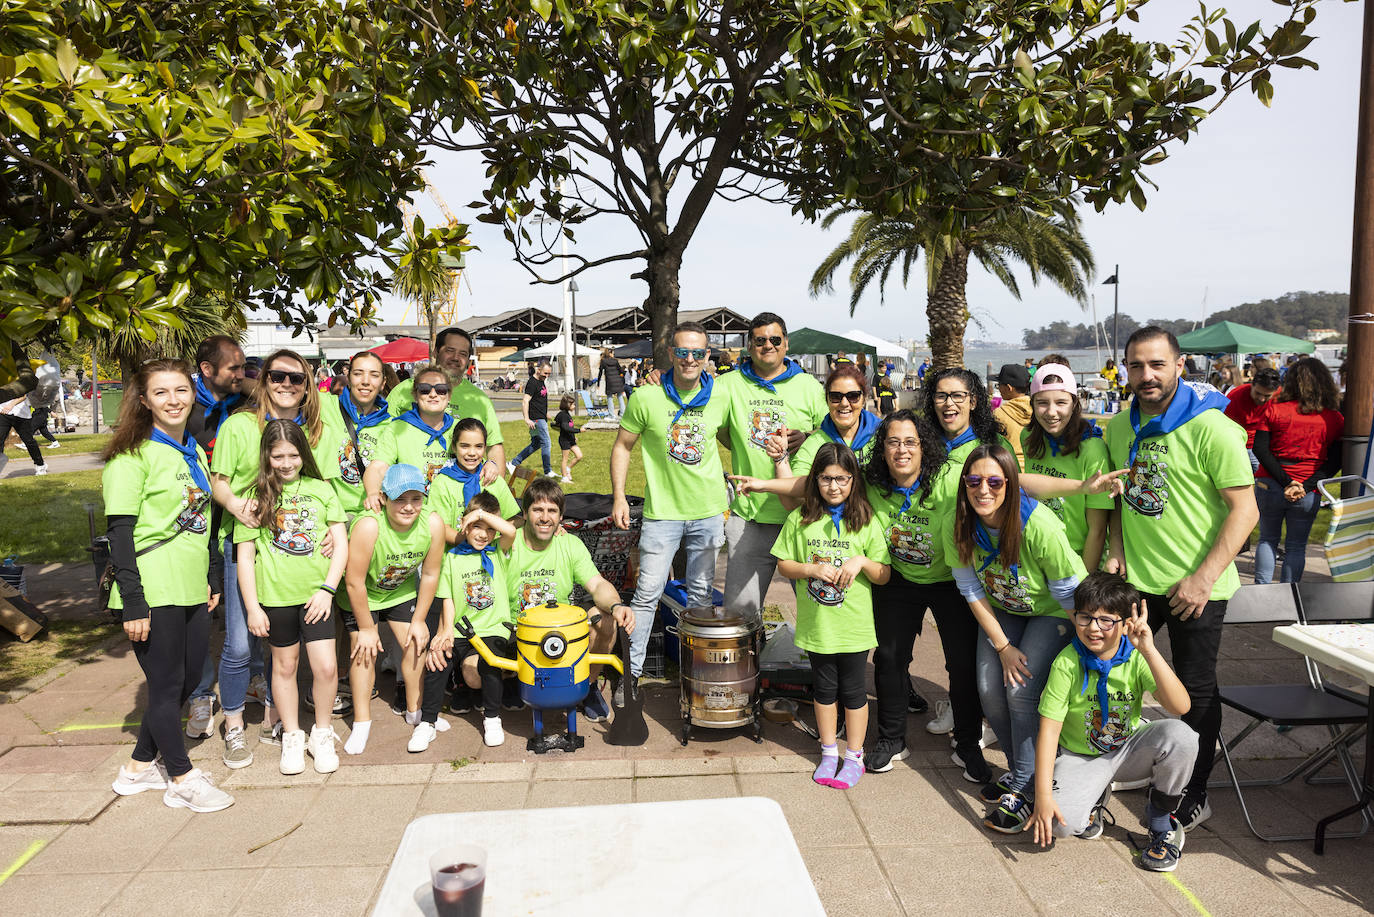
x: 775, y: 764
x: 666, y: 789
x: 383, y: 774
x: 13, y: 721
x: 107, y: 839
x: 52, y: 806
x: 335, y: 890
x: 1338, y: 882
x: 265, y: 773
x: 907, y: 807
x: 1076, y: 876
x: 334, y: 831
x: 575, y: 768
x: 1208, y: 871
x: 549, y: 794
x: 223, y: 839
x: 39, y: 759
x: 472, y: 797
x: 50, y: 709
x: 75, y: 895
x: 15, y: 840
x: 684, y: 767
x: 928, y: 882
x: 484, y: 772
x: 153, y: 893
x: 851, y: 882
x: 818, y: 816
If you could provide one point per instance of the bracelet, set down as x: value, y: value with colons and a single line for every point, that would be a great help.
x: 329, y: 589
x: 1002, y: 647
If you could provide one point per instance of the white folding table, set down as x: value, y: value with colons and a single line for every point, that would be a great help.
x: 719, y: 857
x: 1349, y: 648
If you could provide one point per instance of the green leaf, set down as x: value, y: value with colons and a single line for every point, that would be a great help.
x: 67, y: 61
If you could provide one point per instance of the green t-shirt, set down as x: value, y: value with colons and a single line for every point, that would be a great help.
x: 1065, y: 700
x: 289, y: 566
x: 240, y: 441
x: 1045, y: 556
x: 352, y: 461
x: 446, y: 499
x: 1172, y: 510
x: 830, y: 619
x: 913, y: 537
x: 755, y: 415
x: 806, y: 453
x: 945, y: 491
x: 391, y: 579
x: 401, y: 442
x: 1090, y: 459
x: 535, y: 577
x: 466, y: 400
x: 482, y: 599
x: 682, y: 471
x: 154, y: 484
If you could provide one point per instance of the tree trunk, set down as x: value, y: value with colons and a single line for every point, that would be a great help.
x: 947, y: 311
x: 432, y: 310
x: 662, y: 302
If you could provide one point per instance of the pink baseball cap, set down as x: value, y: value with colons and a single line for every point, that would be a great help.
x: 1067, y: 381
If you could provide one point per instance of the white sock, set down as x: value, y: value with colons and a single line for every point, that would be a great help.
x: 357, y: 739
x: 412, y: 717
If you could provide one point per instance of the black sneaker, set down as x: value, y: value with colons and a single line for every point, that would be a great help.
x: 398, y: 700
x: 1165, y: 848
x: 460, y: 701
x: 1193, y: 810
x: 1098, y: 818
x: 976, y: 769
x: 915, y: 703
x: 1010, y: 817
x: 885, y: 753
x: 991, y: 792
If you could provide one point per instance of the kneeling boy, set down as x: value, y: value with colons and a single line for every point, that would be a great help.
x: 1090, y: 719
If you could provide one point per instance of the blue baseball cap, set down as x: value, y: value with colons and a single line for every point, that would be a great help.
x: 402, y: 479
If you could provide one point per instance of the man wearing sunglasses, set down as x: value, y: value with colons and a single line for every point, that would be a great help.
x: 684, y: 493
x: 465, y: 400
x: 769, y: 393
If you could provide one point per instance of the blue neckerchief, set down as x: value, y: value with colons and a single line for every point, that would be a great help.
x: 790, y: 368
x: 412, y: 417
x: 698, y: 401
x: 967, y: 436
x: 187, y: 448
x: 1188, y: 402
x: 299, y: 419
x: 486, y: 553
x: 983, y: 538
x: 1103, y: 667
x: 868, y: 425
x: 378, y: 415
x: 906, y: 493
x: 471, y: 480
x: 216, y: 409
x: 1092, y: 431
x: 837, y: 516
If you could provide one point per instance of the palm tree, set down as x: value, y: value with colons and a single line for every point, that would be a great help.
x: 423, y: 275
x: 1051, y: 247
x: 198, y: 318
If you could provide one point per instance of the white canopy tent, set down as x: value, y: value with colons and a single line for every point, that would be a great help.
x: 882, y: 347
x: 558, y: 348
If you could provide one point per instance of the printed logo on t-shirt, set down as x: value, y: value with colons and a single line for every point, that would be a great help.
x: 1147, y: 484
x: 348, y: 464
x: 192, y: 517
x: 907, y: 543
x: 478, y: 590
x: 825, y: 593
x: 1006, y: 590
x: 535, y: 593
x: 394, y: 575
x: 1118, y: 728
x: 431, y: 469
x: 764, y: 422
x: 295, y: 526
x: 684, y: 442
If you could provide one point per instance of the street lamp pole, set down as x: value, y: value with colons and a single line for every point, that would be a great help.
x: 570, y: 345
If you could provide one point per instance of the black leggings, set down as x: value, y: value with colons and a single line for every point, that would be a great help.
x: 840, y: 675
x: 171, y: 658
x: 437, y: 682
x: 23, y: 428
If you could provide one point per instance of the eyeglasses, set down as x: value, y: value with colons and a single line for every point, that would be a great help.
x: 774, y: 339
x: 280, y: 375
x: 834, y: 480
x: 1104, y: 622
x: 424, y: 388
x: 911, y: 445
x: 974, y: 481
x: 852, y: 396
x: 955, y: 397
x: 696, y: 353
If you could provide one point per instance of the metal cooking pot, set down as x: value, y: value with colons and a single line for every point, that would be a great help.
x: 719, y: 660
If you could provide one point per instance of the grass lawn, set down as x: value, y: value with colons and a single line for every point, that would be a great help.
x: 44, y: 519
x: 61, y: 640
x: 72, y: 444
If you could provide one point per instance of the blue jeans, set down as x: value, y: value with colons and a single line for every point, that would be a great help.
x: 539, y: 442
x: 1274, y: 511
x: 231, y: 596
x: 241, y: 656
x: 658, y: 543
x: 1013, y: 710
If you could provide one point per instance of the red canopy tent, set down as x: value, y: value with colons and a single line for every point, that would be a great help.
x: 402, y: 350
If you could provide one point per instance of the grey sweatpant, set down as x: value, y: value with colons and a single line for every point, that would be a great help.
x: 1161, y: 751
x: 750, y: 564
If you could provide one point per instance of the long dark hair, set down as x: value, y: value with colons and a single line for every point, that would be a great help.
x: 857, y: 510
x: 135, y: 417
x: 1008, y: 519
x: 1309, y: 383
x: 933, y: 453
x: 267, y: 489
x: 985, y: 426
x: 1037, y: 440
x: 461, y: 427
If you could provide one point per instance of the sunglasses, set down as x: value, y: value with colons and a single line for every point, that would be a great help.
x: 852, y: 396
x: 774, y: 339
x: 280, y: 375
x: 424, y: 388
x: 994, y: 482
x: 696, y: 353
x: 1104, y: 622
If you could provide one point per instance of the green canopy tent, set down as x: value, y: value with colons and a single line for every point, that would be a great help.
x: 1229, y: 337
x: 811, y: 341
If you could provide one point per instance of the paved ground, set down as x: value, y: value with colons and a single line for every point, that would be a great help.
x: 905, y: 842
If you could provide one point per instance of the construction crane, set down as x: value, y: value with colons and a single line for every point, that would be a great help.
x: 448, y: 306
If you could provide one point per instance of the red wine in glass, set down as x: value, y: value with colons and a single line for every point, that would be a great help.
x: 458, y: 890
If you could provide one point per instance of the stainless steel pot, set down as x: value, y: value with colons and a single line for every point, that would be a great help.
x: 719, y: 660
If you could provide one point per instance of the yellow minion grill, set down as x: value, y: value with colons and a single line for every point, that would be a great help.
x: 552, y: 665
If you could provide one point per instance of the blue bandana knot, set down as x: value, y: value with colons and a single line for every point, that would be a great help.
x: 868, y: 425
x: 790, y: 368
x: 187, y: 448
x: 412, y: 417
x: 1103, y: 667
x: 486, y: 553
x: 699, y: 400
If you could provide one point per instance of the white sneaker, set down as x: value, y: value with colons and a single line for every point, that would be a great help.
x: 321, y: 748
x: 567, y: 479
x: 201, y: 723
x: 129, y: 783
x: 989, y: 738
x: 412, y: 718
x: 943, y: 722
x: 257, y: 690
x: 40, y: 470
x: 196, y: 793
x: 293, y: 751
x: 492, y: 733
x: 53, y: 445
x: 420, y: 738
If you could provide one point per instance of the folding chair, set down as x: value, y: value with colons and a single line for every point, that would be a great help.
x: 1288, y: 704
x: 591, y: 409
x: 1349, y: 541
x: 521, y: 473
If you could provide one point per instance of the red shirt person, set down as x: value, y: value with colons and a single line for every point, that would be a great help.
x: 1248, y: 403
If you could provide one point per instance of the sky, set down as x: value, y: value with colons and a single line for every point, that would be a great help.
x: 1257, y: 204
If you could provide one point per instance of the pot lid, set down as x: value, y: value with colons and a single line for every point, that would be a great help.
x: 711, y: 616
